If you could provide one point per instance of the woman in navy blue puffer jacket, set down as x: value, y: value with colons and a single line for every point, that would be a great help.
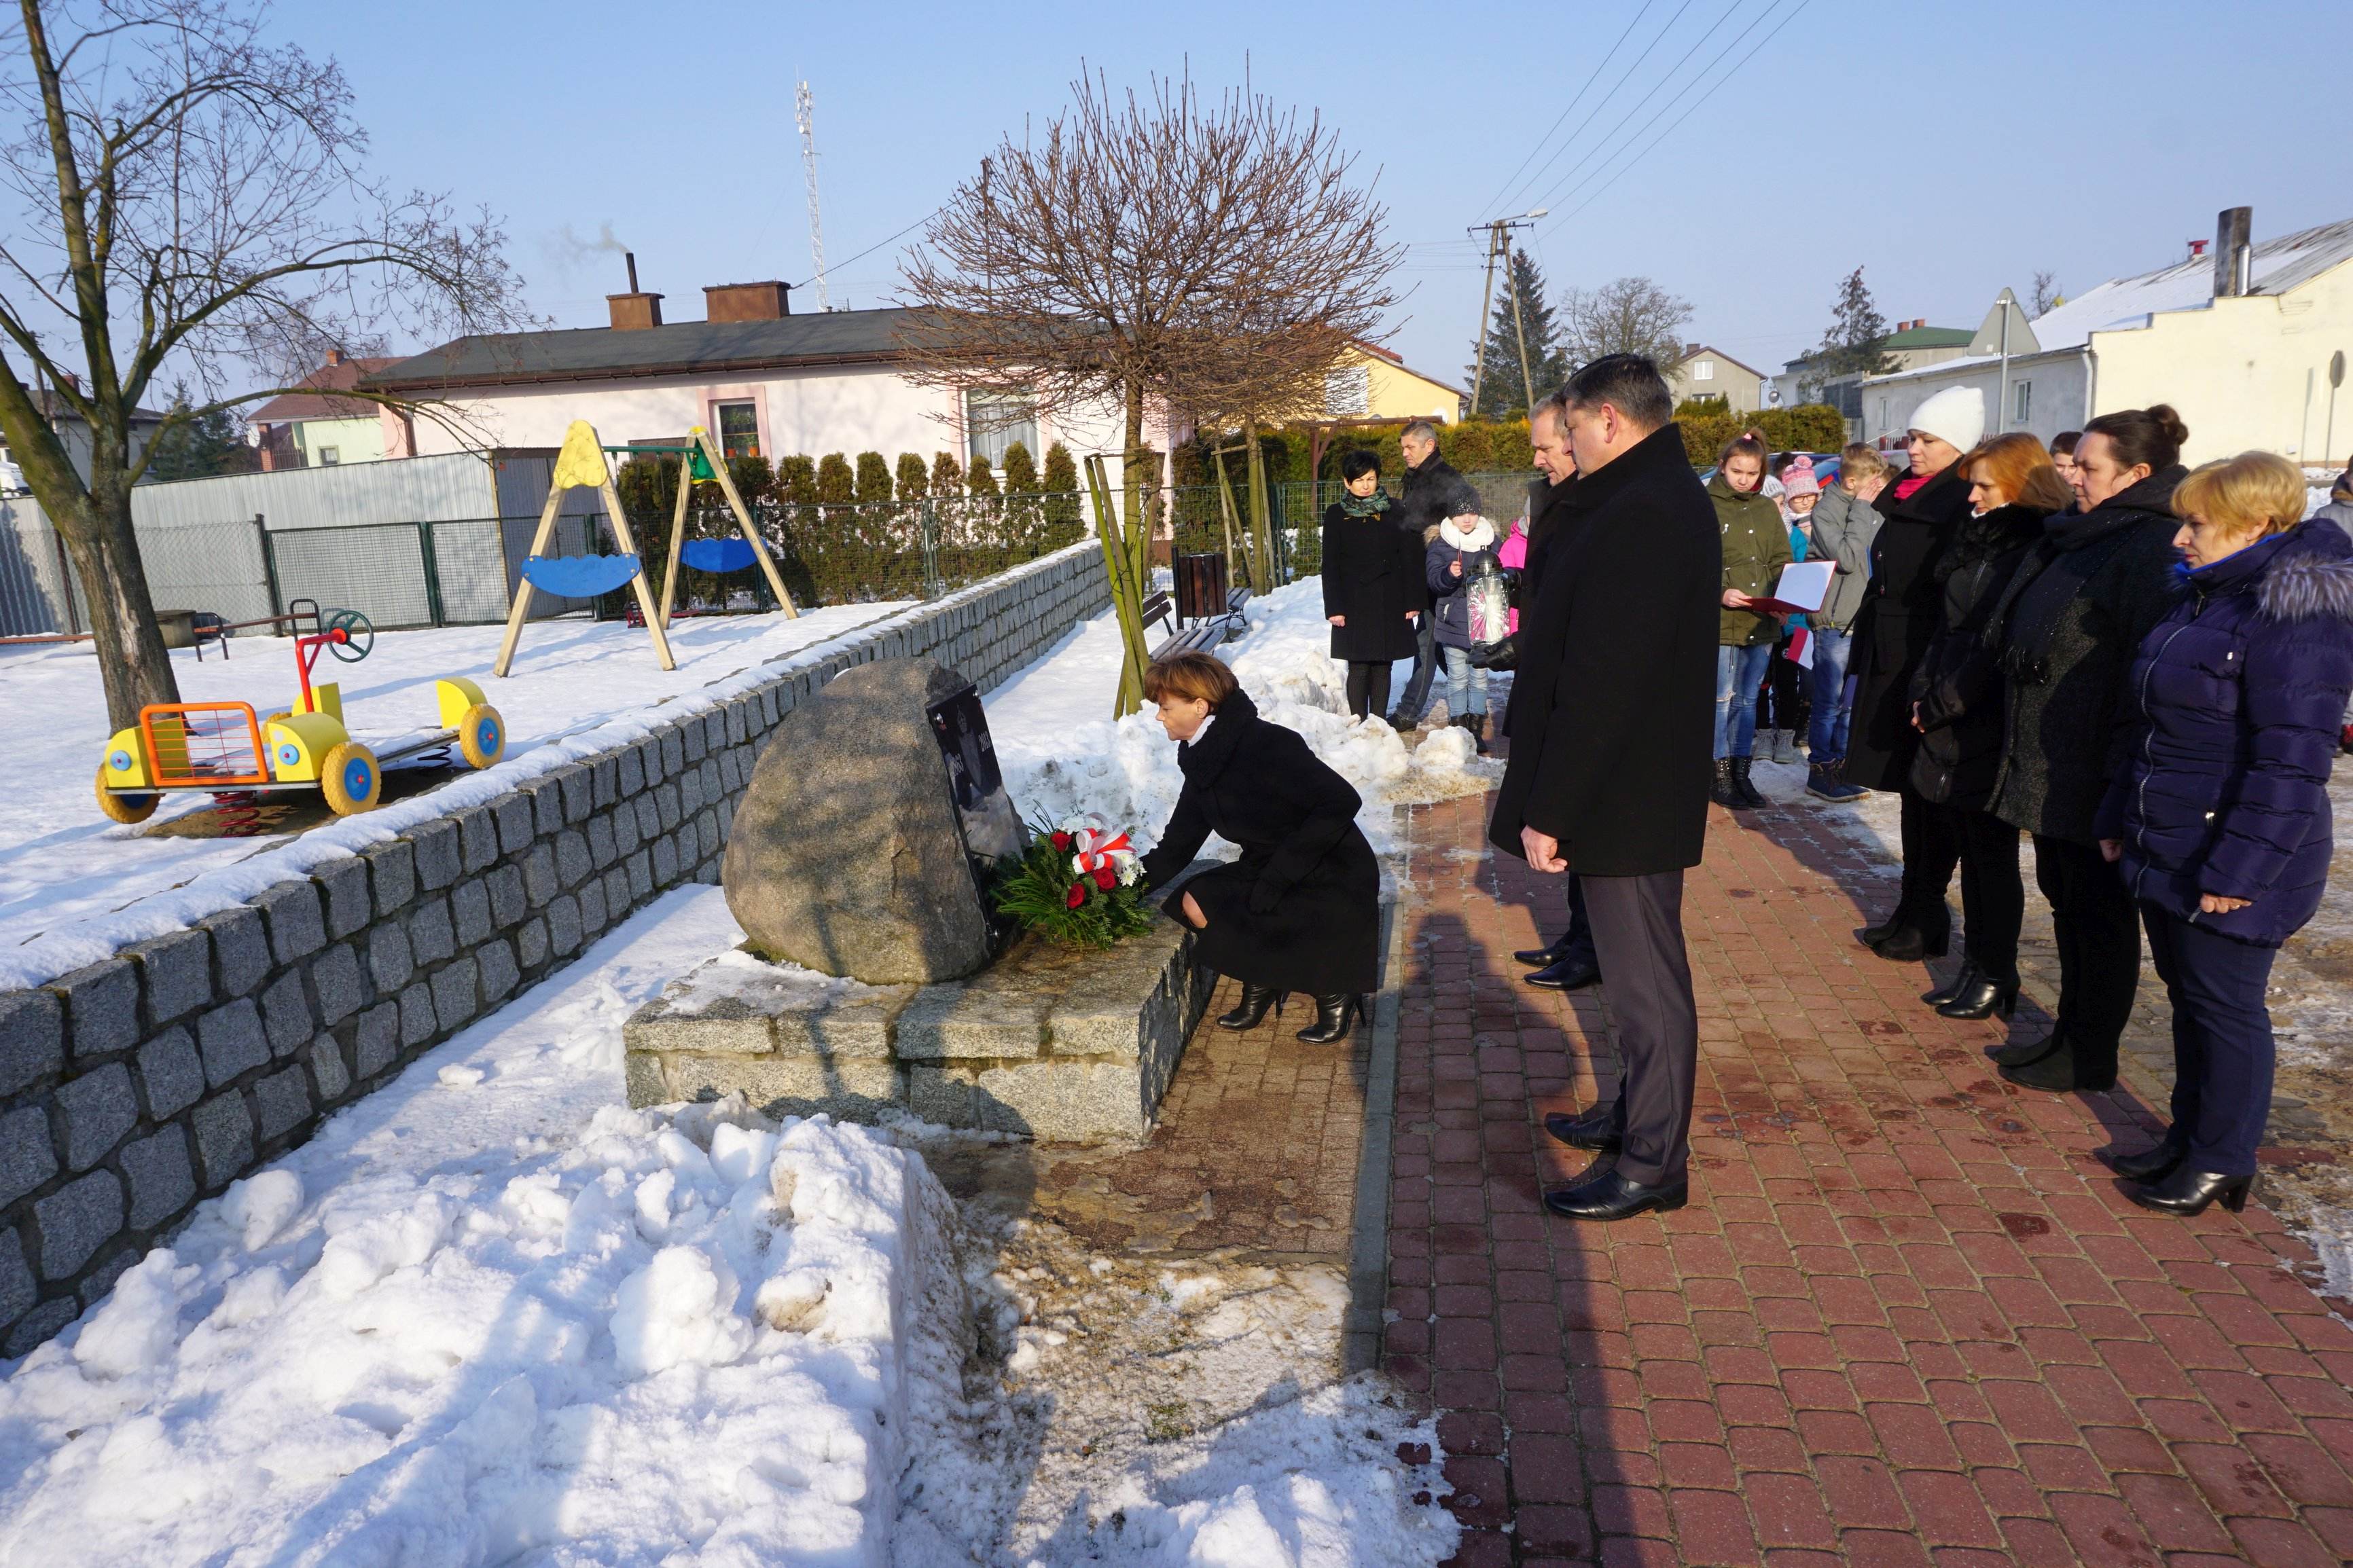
x: 2219, y: 818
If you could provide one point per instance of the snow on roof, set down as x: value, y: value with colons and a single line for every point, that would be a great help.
x: 2121, y: 304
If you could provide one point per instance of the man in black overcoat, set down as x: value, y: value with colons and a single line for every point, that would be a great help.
x: 1612, y: 731
x: 1568, y: 962
x: 1431, y: 492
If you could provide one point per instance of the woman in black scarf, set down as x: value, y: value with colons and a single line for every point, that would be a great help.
x: 1371, y: 583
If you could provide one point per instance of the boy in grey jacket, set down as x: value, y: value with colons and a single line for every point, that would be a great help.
x: 1845, y: 522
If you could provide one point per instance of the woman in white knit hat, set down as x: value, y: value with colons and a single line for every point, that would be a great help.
x: 1901, y: 612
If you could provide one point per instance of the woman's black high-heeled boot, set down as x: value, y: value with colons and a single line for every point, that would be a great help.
x: 1950, y: 988
x: 2186, y: 1192
x: 1256, y: 1000
x: 2152, y: 1164
x: 1334, y: 1017
x: 1982, y: 997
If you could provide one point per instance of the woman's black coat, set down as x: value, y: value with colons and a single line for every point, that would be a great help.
x: 1901, y: 611
x: 2070, y: 622
x: 1300, y: 909
x: 1614, y: 701
x: 1372, y: 576
x: 1958, y: 683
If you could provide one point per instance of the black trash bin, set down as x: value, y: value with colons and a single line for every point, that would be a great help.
x: 1200, y: 586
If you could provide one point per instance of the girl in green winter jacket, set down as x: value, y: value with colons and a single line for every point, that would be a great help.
x: 1755, y: 548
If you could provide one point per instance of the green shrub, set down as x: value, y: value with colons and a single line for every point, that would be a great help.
x: 1061, y: 481
x: 914, y: 478
x: 836, y: 484
x: 947, y: 476
x: 796, y: 480
x: 873, y: 482
x: 977, y: 479
x: 1020, y: 470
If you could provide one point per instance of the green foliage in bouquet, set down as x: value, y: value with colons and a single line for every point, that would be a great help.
x: 1071, y: 908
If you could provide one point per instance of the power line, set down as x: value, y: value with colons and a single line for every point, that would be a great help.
x: 1671, y: 130
x: 1496, y: 204
x: 1570, y: 181
x: 878, y: 245
x: 1608, y: 96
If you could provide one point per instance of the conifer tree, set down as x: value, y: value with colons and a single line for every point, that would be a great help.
x: 1852, y: 344
x: 1501, y: 392
x: 836, y: 484
x: 914, y: 478
x: 977, y: 479
x: 947, y: 476
x: 1020, y: 470
x: 796, y: 480
x: 873, y: 478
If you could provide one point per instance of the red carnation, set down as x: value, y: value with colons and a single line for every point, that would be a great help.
x: 1061, y: 841
x: 1078, y: 895
x: 1105, y: 878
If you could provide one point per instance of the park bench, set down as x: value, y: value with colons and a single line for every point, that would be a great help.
x: 1204, y: 633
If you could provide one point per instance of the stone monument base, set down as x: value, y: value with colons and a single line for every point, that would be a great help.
x: 1062, y: 1046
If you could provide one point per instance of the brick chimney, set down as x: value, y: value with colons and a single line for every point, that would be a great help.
x: 334, y: 357
x: 634, y: 310
x: 765, y: 301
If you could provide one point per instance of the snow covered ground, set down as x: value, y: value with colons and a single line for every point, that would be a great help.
x: 490, y: 1316
x: 1061, y: 752
x: 74, y: 887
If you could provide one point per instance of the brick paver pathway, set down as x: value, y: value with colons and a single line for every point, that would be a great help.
x: 1907, y: 1318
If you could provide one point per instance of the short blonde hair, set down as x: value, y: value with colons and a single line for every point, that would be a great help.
x: 1191, y: 676
x: 1861, y: 460
x: 2255, y: 493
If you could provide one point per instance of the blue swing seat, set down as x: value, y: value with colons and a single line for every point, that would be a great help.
x: 578, y: 576
x: 716, y: 554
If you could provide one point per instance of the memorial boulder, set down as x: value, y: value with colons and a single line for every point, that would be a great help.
x: 863, y: 846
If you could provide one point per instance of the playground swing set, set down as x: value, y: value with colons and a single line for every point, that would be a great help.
x: 584, y: 463
x: 226, y: 749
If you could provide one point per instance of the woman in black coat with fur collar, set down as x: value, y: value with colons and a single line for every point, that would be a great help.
x: 1300, y: 909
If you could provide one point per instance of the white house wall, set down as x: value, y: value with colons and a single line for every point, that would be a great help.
x: 2238, y: 372
x: 810, y: 412
x: 2057, y: 404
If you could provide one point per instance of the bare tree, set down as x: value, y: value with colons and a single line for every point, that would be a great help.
x: 179, y: 191
x: 1216, y: 254
x: 2047, y: 297
x: 1631, y: 316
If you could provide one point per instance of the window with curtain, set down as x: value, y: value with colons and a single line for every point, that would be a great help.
x: 739, y: 430
x: 2025, y: 401
x: 995, y: 420
x: 1348, y: 392
x: 1705, y: 370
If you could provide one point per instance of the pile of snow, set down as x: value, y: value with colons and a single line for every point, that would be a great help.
x: 1060, y: 754
x: 487, y: 1314
x: 74, y: 887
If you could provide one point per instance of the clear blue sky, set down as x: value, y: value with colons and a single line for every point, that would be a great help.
x: 1950, y: 149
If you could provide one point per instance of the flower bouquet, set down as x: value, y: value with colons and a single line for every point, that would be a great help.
x: 1076, y: 884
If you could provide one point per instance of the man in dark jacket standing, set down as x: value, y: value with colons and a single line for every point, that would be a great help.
x: 1612, y: 732
x: 1433, y: 491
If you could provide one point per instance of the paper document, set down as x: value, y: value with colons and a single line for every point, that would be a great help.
x: 1803, y: 586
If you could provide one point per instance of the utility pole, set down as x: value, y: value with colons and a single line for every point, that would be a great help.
x: 1499, y: 244
x: 805, y: 111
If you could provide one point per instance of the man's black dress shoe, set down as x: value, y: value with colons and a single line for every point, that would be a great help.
x: 1596, y: 1128
x: 1610, y: 1195
x: 1566, y: 974
x: 1537, y: 957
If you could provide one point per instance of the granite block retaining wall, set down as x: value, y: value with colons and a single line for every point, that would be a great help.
x: 133, y: 1089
